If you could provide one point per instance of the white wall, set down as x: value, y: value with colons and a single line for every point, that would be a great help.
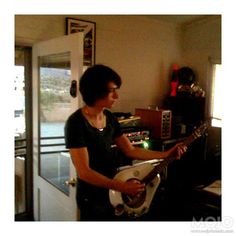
x: 140, y: 50
x: 201, y: 41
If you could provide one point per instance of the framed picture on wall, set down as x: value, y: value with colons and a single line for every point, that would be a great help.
x: 89, y: 30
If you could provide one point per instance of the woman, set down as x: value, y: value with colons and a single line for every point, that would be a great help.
x: 89, y: 132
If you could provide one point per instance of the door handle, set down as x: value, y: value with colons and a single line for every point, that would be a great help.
x: 71, y: 182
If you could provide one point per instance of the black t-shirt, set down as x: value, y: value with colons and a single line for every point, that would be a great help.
x: 79, y: 133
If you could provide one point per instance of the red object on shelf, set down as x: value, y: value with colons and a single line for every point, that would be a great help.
x: 174, y: 81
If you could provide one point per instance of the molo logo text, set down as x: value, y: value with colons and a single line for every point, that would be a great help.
x: 212, y: 224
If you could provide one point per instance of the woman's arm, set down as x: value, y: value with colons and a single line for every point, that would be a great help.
x: 80, y: 160
x: 138, y: 153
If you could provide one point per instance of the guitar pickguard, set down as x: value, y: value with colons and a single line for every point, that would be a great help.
x: 119, y: 201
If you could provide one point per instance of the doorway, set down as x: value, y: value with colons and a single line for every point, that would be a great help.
x: 23, y: 133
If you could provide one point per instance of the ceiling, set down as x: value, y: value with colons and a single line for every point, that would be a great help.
x: 179, y: 19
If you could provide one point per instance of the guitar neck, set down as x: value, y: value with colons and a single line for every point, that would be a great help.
x: 158, y: 169
x: 163, y: 164
x: 190, y: 139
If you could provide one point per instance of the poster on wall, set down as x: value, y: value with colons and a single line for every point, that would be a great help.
x: 89, y: 30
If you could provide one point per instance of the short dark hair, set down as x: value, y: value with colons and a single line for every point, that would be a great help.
x: 93, y: 83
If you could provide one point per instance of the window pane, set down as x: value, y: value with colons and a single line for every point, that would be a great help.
x: 217, y: 94
x: 54, y: 110
x: 19, y: 102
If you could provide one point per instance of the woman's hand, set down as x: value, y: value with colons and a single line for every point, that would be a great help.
x: 178, y: 150
x: 132, y: 187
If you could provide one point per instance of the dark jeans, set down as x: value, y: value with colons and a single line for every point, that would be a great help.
x: 97, y: 207
x: 103, y: 211
x: 96, y: 211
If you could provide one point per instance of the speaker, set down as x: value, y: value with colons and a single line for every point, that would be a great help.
x: 158, y: 121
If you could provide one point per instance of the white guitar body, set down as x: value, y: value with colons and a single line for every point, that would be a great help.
x: 147, y: 172
x: 137, y: 172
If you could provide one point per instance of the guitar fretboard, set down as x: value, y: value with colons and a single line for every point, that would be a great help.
x: 163, y: 164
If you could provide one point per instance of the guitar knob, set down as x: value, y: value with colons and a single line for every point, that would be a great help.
x: 136, y: 173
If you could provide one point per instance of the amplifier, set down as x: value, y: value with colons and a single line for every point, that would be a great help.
x: 130, y: 126
x: 137, y: 136
x: 158, y: 121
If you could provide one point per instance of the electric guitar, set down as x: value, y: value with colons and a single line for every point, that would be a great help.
x: 147, y: 172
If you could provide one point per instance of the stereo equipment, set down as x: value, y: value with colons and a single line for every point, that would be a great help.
x: 158, y: 121
x: 137, y: 135
x: 130, y: 127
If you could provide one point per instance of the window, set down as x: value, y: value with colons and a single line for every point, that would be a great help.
x: 20, y: 137
x: 216, y: 97
x: 55, y: 76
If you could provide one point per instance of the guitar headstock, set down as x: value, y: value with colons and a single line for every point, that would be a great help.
x: 201, y: 129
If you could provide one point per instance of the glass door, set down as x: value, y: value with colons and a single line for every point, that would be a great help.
x: 57, y: 64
